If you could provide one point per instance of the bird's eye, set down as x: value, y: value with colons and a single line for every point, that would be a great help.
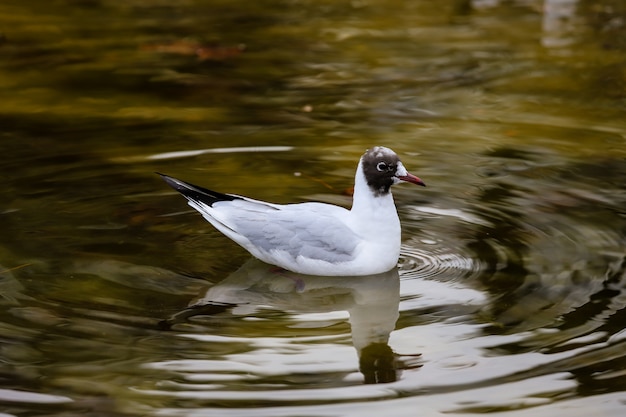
x: 382, y: 167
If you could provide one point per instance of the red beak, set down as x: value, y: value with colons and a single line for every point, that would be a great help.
x: 412, y: 179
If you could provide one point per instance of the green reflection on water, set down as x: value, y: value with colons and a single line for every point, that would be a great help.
x: 508, y: 120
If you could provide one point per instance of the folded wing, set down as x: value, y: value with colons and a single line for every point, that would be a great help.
x: 274, y: 232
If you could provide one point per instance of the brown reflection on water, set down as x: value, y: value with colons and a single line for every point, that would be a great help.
x: 511, y: 280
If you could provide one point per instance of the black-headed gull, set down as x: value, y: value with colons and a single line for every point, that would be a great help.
x: 316, y: 238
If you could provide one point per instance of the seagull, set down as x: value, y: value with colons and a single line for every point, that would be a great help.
x: 316, y: 238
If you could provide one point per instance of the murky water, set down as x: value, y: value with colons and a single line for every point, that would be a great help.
x: 510, y: 296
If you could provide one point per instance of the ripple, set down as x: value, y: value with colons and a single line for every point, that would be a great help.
x: 439, y: 279
x: 9, y: 395
x: 196, y: 152
x: 438, y: 263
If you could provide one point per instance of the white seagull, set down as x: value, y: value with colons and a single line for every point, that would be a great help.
x: 316, y: 238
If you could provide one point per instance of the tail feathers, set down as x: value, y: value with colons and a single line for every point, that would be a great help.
x: 196, y: 193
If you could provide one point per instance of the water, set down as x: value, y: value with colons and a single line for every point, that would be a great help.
x: 509, y: 298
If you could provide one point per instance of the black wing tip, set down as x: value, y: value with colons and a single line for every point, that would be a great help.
x: 195, y: 192
x: 178, y: 185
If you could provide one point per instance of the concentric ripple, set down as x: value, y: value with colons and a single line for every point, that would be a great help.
x: 416, y: 262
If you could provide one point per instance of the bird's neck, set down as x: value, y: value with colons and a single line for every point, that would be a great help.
x: 368, y: 202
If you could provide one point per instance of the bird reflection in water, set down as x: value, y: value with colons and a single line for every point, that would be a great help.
x: 372, y: 303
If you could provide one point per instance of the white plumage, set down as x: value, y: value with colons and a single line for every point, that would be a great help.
x: 316, y: 238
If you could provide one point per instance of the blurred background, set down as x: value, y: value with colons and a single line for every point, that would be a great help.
x: 510, y: 295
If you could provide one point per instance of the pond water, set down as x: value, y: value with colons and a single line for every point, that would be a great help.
x: 510, y: 295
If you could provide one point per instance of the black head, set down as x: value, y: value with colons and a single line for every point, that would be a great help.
x: 382, y: 169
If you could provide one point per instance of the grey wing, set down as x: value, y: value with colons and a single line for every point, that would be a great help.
x: 318, y: 235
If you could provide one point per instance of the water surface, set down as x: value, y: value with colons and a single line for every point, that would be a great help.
x: 509, y: 298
